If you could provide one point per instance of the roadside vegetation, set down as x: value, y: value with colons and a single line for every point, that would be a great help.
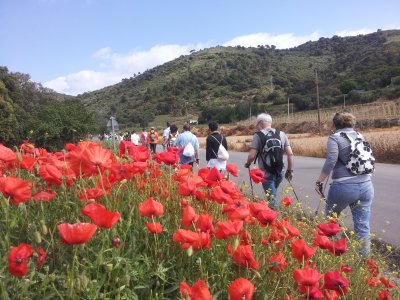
x: 87, y: 223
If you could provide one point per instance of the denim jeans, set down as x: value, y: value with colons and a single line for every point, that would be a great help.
x: 359, y: 197
x: 271, y: 188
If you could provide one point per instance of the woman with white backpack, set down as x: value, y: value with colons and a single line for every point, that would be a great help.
x: 216, y: 148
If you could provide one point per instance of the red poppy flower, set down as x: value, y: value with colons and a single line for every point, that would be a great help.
x: 214, y: 175
x: 322, y: 241
x: 228, y: 187
x: 78, y: 233
x: 237, y: 211
x: 87, y: 194
x: 277, y: 262
x: 307, y: 278
x: 243, y: 256
x: 345, y: 269
x: 139, y: 153
x: 100, y: 215
x: 7, y: 155
x: 284, y: 225
x: 44, y: 196
x: 372, y: 282
x: 276, y: 237
x: 56, y: 174
x: 192, y: 239
x: 334, y: 281
x: 205, y: 224
x: 218, y: 195
x: 40, y: 255
x: 17, y: 189
x: 245, y: 238
x: 27, y: 162
x: 151, y: 208
x: 257, y: 175
x: 387, y: 283
x: 187, y: 187
x: 199, y: 291
x: 188, y: 216
x: 232, y: 169
x: 329, y: 229
x: 331, y: 295
x: 168, y: 158
x: 90, y: 158
x: 155, y: 227
x: 267, y: 216
x: 338, y: 247
x: 18, y: 259
x: 384, y: 295
x: 287, y: 201
x: 241, y: 289
x: 256, y: 207
x: 372, y: 267
x: 301, y: 251
x: 228, y: 228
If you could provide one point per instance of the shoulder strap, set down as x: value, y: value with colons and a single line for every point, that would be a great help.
x: 220, y: 142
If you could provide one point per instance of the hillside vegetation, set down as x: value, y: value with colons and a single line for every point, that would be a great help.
x: 224, y: 82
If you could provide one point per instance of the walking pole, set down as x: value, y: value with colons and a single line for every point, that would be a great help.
x: 251, y: 185
x: 294, y: 192
x: 320, y: 190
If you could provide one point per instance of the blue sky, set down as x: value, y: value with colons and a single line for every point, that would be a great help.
x: 74, y: 46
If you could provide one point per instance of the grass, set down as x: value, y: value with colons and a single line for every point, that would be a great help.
x: 385, y: 143
x: 127, y: 261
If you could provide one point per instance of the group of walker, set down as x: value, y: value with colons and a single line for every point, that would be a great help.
x: 349, y: 186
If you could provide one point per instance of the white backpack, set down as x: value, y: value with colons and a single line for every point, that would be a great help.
x: 222, y: 152
x: 361, y: 160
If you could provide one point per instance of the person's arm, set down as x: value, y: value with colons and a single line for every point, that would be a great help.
x: 290, y: 163
x: 250, y: 158
x: 208, y: 149
x: 332, y: 154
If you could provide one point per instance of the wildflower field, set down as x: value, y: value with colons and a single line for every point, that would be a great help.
x: 85, y: 223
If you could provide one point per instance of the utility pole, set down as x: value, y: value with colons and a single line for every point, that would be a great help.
x: 319, y: 114
x: 288, y: 106
x: 344, y: 101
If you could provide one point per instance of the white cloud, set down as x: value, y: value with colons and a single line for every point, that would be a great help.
x: 116, y: 66
x: 281, y: 41
x: 354, y: 32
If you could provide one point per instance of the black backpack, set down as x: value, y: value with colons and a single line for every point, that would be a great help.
x: 271, y: 151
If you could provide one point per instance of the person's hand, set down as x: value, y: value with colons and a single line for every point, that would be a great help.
x: 319, y: 188
x: 289, y: 175
x: 197, y: 161
x: 247, y: 165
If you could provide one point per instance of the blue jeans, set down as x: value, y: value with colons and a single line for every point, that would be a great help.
x: 359, y: 197
x: 271, y: 188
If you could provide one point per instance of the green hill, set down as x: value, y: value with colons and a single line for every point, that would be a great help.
x: 223, y: 82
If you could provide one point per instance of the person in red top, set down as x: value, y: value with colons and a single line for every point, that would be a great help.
x: 152, y: 139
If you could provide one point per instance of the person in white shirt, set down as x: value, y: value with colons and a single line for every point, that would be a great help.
x: 165, y: 136
x: 135, y: 138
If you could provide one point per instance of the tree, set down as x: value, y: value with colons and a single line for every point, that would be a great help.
x: 347, y: 86
x: 58, y: 123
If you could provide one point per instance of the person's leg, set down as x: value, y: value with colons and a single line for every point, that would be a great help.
x: 270, y: 190
x: 340, y: 195
x: 361, y: 210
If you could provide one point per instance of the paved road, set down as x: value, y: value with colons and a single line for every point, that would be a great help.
x: 385, y: 219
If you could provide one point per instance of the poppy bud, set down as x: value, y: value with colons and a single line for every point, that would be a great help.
x: 109, y: 268
x: 84, y: 281
x: 77, y: 284
x: 43, y: 227
x: 236, y: 244
x: 19, y: 157
x: 52, y: 277
x: 126, y: 279
x: 124, y: 181
x: 189, y: 251
x: 37, y: 237
x: 115, y: 242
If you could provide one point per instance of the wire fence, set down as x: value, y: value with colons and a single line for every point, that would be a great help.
x: 371, y: 111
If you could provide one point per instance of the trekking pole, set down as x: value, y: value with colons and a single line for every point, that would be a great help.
x: 251, y: 184
x: 294, y: 192
x: 320, y: 190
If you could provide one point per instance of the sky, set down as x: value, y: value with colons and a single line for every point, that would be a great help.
x: 76, y: 46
